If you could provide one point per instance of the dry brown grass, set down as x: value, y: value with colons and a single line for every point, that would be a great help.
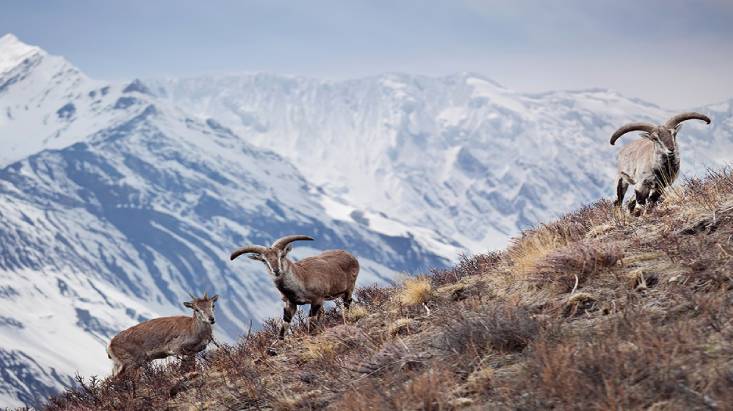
x: 531, y: 248
x: 415, y: 291
x: 572, y: 265
x: 479, y: 381
x: 630, y: 363
x: 373, y: 295
x: 648, y: 326
x: 467, y: 267
x: 534, y: 245
x: 318, y: 348
x: 401, y: 326
x: 501, y: 327
x: 429, y: 390
x: 356, y: 312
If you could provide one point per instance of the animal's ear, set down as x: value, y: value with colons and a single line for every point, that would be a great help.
x: 214, y: 298
x: 256, y: 257
x: 188, y: 304
x: 287, y: 250
x: 653, y: 136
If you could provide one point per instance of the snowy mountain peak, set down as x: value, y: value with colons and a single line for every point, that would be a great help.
x: 117, y: 199
x: 469, y: 77
x: 137, y: 86
x: 14, y: 51
x: 46, y: 102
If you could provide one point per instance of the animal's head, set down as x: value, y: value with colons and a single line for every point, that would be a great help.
x: 273, y: 256
x: 663, y: 134
x: 203, y: 308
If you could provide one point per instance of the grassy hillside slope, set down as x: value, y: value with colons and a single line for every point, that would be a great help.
x: 598, y: 310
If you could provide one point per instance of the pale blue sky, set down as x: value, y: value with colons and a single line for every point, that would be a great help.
x: 675, y: 53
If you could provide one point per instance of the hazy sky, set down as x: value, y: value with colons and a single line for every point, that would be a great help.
x: 674, y: 53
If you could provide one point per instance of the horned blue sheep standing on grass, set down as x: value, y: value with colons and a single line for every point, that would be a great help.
x: 163, y: 337
x: 652, y: 163
x: 313, y: 280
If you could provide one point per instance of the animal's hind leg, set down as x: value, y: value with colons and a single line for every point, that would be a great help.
x: 347, y: 303
x: 621, y: 188
x: 314, y: 315
x: 347, y: 300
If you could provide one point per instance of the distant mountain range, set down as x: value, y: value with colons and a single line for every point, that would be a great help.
x: 116, y: 200
x: 459, y: 157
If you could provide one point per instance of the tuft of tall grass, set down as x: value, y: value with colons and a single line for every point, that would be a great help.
x: 571, y: 266
x: 534, y: 245
x: 467, y: 266
x: 415, y: 291
x: 356, y: 312
x: 372, y: 295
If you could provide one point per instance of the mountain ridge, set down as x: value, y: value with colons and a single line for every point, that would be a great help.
x: 15, y: 51
x: 120, y: 198
x: 128, y: 207
x: 474, y: 142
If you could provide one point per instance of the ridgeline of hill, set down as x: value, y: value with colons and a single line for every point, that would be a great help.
x: 598, y: 310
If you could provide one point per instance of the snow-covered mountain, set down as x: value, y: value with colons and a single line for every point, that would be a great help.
x: 115, y: 204
x: 116, y: 200
x: 460, y: 156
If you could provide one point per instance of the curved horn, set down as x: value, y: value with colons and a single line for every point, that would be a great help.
x: 257, y: 249
x: 632, y: 127
x: 690, y: 115
x: 282, y: 242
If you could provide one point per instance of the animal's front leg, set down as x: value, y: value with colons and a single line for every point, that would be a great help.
x: 655, y: 197
x: 120, y: 370
x: 642, y: 194
x: 621, y: 188
x: 188, y: 362
x: 288, y: 312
